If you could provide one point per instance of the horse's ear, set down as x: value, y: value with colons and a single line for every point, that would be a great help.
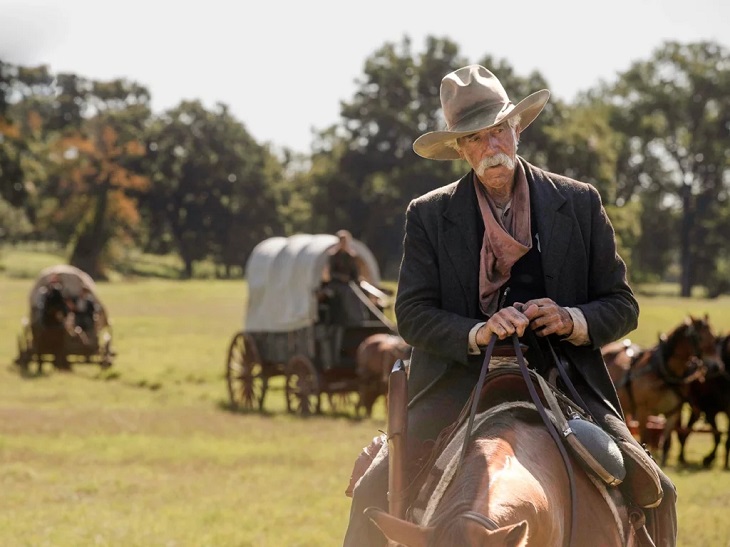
x: 689, y: 319
x: 514, y: 535
x: 399, y: 531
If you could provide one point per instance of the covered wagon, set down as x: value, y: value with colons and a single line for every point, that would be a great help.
x: 301, y: 325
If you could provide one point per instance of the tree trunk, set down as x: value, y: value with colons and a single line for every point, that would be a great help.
x: 86, y: 254
x: 685, y: 243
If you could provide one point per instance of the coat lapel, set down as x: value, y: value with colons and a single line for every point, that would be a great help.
x: 462, y: 237
x: 554, y: 227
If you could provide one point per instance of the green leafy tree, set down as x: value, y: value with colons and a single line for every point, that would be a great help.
x: 364, y: 168
x: 675, y: 111
x: 21, y: 138
x: 14, y: 225
x: 213, y: 192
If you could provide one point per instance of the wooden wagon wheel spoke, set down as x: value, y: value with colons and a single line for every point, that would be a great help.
x: 247, y: 384
x: 302, y: 387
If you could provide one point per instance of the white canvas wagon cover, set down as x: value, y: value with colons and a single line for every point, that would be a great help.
x: 283, y: 274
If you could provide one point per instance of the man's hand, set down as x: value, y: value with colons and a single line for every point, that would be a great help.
x: 546, y: 317
x: 504, y: 324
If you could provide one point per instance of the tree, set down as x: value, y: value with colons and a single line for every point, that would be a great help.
x: 20, y: 133
x: 212, y: 191
x: 364, y: 168
x: 96, y: 181
x: 95, y: 188
x: 675, y: 110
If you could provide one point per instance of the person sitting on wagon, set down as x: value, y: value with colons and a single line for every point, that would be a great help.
x: 86, y: 309
x: 343, y: 260
x: 345, y: 306
x: 54, y: 317
x: 54, y: 307
x: 341, y: 306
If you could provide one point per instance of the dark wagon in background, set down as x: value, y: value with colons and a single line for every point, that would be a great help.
x: 63, y: 338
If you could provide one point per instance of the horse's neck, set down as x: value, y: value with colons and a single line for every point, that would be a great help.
x: 513, y: 490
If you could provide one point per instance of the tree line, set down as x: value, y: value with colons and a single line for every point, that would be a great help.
x: 86, y: 163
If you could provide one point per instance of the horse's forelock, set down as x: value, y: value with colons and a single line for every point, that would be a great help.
x: 451, y: 532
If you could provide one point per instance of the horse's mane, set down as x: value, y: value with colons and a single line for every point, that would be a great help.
x: 449, y: 529
x: 673, y: 338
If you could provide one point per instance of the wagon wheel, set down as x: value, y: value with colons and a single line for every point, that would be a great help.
x: 247, y: 383
x: 107, y: 355
x: 302, y: 387
x: 25, y: 349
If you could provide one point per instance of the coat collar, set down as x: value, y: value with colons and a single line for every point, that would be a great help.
x: 463, y: 231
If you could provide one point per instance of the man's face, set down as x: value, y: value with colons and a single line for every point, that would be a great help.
x: 491, y: 153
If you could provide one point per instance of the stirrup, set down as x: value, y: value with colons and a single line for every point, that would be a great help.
x: 638, y: 523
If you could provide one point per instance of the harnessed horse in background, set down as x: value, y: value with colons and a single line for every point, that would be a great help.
x: 375, y: 357
x: 657, y: 381
x: 710, y: 398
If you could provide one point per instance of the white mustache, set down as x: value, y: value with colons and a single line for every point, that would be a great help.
x: 492, y: 161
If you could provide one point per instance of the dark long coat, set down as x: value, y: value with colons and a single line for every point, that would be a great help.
x: 437, y: 302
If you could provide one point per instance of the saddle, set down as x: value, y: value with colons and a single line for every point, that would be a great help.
x: 613, y: 460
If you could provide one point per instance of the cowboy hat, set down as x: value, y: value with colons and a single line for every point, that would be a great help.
x: 472, y: 99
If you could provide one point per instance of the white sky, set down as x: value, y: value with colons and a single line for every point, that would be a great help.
x: 284, y: 67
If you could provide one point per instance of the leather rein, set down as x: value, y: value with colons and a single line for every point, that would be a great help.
x: 488, y: 523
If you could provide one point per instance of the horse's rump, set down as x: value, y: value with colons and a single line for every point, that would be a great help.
x: 375, y: 357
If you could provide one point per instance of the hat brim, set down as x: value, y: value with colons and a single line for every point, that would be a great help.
x: 432, y: 145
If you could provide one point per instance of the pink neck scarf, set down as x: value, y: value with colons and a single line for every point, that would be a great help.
x: 503, y: 245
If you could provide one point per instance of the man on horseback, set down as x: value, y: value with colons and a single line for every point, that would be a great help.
x: 507, y: 224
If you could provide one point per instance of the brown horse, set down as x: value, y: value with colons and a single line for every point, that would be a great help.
x: 656, y: 381
x: 375, y: 358
x: 511, y: 489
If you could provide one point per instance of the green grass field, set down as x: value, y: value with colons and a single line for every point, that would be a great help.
x: 147, y: 454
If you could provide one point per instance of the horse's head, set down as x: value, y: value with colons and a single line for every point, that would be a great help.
x: 478, y: 534
x: 691, y: 349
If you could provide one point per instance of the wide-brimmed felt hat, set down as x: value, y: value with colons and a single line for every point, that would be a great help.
x: 472, y: 99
